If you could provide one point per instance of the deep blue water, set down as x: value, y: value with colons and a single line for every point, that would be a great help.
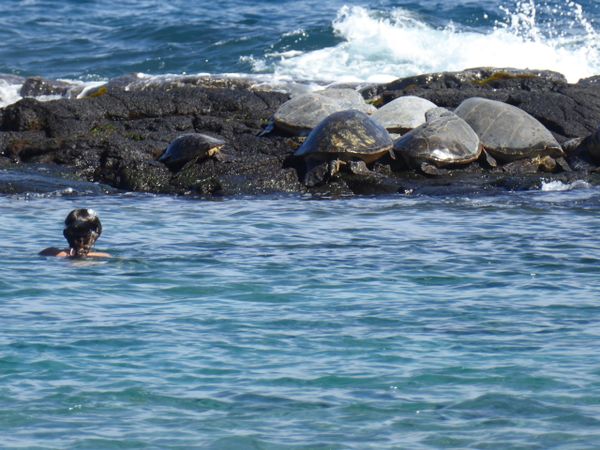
x: 398, y: 322
x: 92, y: 39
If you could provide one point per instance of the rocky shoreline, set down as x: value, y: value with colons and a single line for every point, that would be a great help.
x: 115, y: 134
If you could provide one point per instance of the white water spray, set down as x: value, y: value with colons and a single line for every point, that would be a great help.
x: 382, y: 47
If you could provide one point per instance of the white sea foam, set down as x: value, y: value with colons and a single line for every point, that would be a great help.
x: 9, y: 93
x: 88, y: 86
x: 559, y: 186
x: 297, y: 32
x: 380, y: 46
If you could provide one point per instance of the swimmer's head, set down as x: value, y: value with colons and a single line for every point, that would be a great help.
x: 82, y: 229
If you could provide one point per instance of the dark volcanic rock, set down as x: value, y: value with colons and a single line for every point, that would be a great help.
x: 38, y: 86
x: 567, y: 110
x: 116, y: 134
x: 132, y: 171
x: 135, y: 82
x: 117, y: 137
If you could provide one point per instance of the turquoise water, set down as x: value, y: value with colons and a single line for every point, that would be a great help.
x: 290, y: 323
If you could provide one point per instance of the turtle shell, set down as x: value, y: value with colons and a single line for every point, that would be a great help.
x: 508, y: 133
x: 403, y: 114
x: 443, y: 141
x: 348, y: 99
x: 347, y: 135
x: 301, y: 114
x: 188, y: 147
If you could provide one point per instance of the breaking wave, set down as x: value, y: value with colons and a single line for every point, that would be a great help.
x: 559, y: 186
x: 380, y: 46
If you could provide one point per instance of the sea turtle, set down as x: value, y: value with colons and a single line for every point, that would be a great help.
x: 348, y: 99
x: 436, y: 113
x: 190, y: 147
x: 342, y: 137
x: 301, y: 114
x: 591, y: 145
x: 403, y: 114
x: 583, y: 153
x: 444, y: 140
x: 507, y: 132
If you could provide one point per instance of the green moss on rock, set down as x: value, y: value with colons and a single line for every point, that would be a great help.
x: 502, y: 76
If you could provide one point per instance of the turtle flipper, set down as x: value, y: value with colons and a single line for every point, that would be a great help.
x: 268, y: 129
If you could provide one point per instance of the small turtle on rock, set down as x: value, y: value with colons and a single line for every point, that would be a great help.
x: 507, y: 132
x: 591, y: 146
x: 403, y: 114
x: 340, y: 139
x: 583, y: 153
x: 190, y: 147
x: 444, y: 140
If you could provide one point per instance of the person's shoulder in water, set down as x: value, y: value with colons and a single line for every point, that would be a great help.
x: 82, y: 229
x: 66, y: 253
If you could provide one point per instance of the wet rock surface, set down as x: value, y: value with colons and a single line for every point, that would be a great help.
x: 38, y: 86
x: 115, y: 135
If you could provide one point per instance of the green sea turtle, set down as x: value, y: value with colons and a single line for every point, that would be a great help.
x: 507, y: 132
x: 437, y: 112
x: 190, y: 147
x: 340, y: 138
x: 299, y: 115
x: 591, y: 145
x: 348, y: 99
x: 403, y: 113
x: 583, y: 153
x: 444, y: 140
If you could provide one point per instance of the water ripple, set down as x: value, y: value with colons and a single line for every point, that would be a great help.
x: 420, y: 322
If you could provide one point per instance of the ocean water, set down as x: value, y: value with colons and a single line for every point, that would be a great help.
x: 306, y: 41
x: 293, y: 323
x: 397, y: 322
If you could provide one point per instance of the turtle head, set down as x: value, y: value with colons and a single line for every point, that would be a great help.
x: 164, y: 158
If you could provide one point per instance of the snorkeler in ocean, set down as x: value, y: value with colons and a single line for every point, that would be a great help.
x: 82, y: 229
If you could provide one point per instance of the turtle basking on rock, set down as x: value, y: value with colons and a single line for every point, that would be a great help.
x: 444, y: 140
x: 403, y: 113
x: 190, y: 147
x: 591, y: 146
x: 348, y: 99
x: 507, y: 132
x: 299, y: 115
x: 338, y: 140
x: 583, y: 153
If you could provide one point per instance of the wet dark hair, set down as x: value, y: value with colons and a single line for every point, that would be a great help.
x: 82, y: 229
